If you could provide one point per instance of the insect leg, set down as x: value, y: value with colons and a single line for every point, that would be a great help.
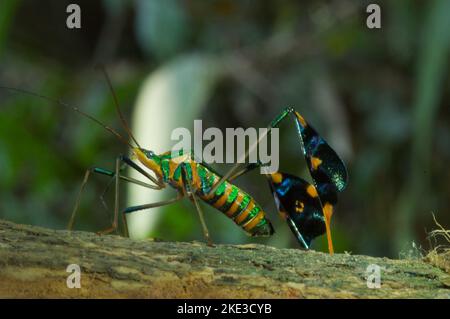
x: 124, y: 178
x: 106, y: 172
x: 245, y: 170
x: 116, y: 200
x: 128, y: 161
x: 190, y: 191
x: 133, y: 165
x: 112, y: 174
x: 77, y: 202
x: 231, y: 173
x: 133, y: 209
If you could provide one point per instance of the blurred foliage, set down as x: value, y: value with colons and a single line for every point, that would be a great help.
x: 380, y: 97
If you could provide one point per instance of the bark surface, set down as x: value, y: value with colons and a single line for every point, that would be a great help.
x: 33, y: 263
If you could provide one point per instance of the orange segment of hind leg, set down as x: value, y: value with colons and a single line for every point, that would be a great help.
x: 327, y: 213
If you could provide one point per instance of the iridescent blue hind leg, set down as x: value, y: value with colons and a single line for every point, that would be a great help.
x: 316, y: 200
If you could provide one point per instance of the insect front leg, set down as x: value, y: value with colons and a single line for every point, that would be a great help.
x: 77, y: 202
x: 115, y: 175
x: 128, y: 161
x: 133, y: 209
x: 116, y: 203
x: 124, y: 178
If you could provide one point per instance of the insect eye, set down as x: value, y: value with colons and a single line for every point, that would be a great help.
x: 149, y: 154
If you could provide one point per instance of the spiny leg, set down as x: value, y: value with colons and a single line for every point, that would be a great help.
x: 190, y: 191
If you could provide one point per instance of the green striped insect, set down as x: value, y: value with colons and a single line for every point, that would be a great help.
x: 179, y: 170
x: 197, y: 181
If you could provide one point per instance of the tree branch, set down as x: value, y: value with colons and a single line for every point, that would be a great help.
x: 33, y: 263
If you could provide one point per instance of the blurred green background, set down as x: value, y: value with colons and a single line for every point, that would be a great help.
x: 379, y: 96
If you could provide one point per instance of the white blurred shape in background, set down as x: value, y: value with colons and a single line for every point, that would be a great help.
x: 172, y: 96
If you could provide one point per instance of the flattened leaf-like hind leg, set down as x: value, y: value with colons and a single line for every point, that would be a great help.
x: 324, y: 164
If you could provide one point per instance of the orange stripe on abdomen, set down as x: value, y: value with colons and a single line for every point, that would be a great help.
x: 243, y: 215
x: 254, y: 221
x: 235, y: 206
x: 221, y: 201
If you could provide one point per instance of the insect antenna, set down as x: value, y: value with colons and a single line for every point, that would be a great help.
x: 119, y: 112
x: 74, y: 108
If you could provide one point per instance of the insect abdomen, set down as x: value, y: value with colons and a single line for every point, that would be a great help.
x: 228, y: 198
x: 233, y: 202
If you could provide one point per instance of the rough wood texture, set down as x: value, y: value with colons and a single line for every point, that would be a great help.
x: 33, y: 263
